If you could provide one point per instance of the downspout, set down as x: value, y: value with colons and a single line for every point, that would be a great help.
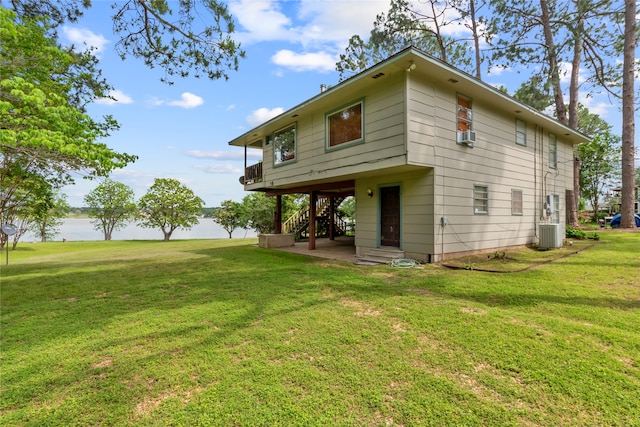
x: 535, y: 181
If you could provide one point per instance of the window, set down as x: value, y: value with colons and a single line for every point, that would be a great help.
x: 553, y: 151
x: 284, y: 145
x: 480, y: 199
x: 465, y: 114
x: 521, y: 132
x: 516, y: 202
x: 555, y: 216
x: 345, y: 126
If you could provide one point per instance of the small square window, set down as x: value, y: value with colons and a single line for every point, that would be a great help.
x: 521, y: 132
x: 480, y: 199
x: 516, y: 202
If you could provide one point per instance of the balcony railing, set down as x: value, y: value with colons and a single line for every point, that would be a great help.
x: 253, y: 173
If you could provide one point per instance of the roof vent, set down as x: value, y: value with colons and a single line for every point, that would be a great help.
x: 375, y: 76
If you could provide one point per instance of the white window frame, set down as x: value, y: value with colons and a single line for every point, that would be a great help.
x: 517, y: 203
x: 480, y: 199
x: 521, y: 132
x: 555, y: 215
x: 553, y: 151
x: 276, y: 145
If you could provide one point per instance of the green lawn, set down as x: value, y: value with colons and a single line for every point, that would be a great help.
x: 221, y: 333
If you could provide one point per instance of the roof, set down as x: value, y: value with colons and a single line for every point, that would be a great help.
x: 438, y: 71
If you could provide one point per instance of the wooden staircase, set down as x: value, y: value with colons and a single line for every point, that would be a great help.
x: 298, y: 223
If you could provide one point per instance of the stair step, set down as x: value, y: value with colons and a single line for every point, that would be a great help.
x: 382, y: 255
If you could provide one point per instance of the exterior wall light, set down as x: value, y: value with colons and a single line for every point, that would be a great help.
x: 369, y: 192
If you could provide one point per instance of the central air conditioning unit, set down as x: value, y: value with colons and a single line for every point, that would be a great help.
x: 467, y: 137
x: 550, y: 236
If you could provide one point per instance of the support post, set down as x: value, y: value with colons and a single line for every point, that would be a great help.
x: 313, y: 197
x: 332, y: 211
x: 278, y: 218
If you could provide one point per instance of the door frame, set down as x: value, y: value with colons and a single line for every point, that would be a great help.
x: 379, y: 213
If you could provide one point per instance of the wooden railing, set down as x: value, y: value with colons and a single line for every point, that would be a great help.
x: 253, y: 173
x: 298, y: 223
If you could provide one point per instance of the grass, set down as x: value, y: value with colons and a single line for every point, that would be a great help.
x: 222, y: 333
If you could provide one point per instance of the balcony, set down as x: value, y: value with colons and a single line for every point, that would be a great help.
x: 252, y: 174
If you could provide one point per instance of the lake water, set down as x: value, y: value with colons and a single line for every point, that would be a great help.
x: 79, y: 229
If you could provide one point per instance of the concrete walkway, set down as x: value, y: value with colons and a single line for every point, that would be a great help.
x: 341, y: 249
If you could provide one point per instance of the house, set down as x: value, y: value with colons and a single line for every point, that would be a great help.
x: 440, y: 163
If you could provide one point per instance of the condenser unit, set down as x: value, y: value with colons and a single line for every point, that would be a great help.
x: 550, y: 236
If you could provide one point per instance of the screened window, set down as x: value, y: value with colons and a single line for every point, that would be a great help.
x: 480, y: 199
x: 284, y: 145
x: 465, y: 114
x: 555, y: 218
x: 345, y: 126
x: 553, y: 151
x: 521, y: 132
x: 516, y: 202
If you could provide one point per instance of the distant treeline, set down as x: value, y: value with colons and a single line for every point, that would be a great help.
x: 84, y: 211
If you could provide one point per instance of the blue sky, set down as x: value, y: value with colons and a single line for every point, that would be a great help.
x: 181, y: 131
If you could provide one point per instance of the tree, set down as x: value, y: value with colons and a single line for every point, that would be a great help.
x: 228, y: 216
x: 535, y: 93
x: 112, y: 204
x: 169, y: 205
x: 404, y: 26
x: 258, y: 211
x: 174, y: 40
x: 599, y: 160
x: 46, y: 213
x: 44, y: 133
x: 548, y: 33
x: 628, y: 121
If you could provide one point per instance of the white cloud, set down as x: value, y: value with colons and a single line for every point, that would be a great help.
x: 497, y: 70
x: 304, y: 61
x: 119, y: 98
x: 262, y: 20
x: 261, y: 115
x: 225, y: 155
x: 321, y: 26
x: 154, y: 101
x: 219, y: 168
x: 596, y: 107
x: 187, y: 100
x: 85, y: 37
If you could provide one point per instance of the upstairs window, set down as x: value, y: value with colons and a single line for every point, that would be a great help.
x: 553, y: 151
x: 465, y: 133
x: 284, y: 145
x: 521, y: 132
x: 465, y: 114
x: 345, y: 126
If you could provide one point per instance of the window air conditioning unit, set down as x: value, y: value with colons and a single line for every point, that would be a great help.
x: 467, y: 137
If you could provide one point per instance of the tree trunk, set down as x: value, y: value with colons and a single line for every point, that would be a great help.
x: 554, y: 72
x: 628, y: 122
x: 573, y: 108
x: 476, y: 38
